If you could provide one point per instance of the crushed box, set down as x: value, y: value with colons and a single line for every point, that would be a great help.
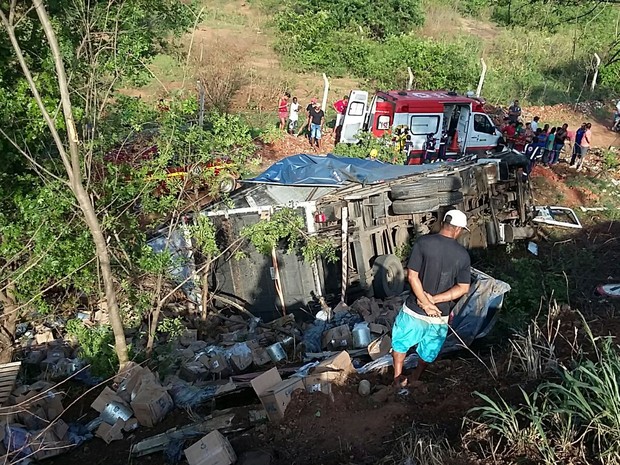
x: 335, y: 369
x: 274, y: 393
x: 213, y: 449
x: 337, y: 338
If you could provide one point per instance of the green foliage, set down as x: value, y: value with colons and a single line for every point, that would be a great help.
x: 580, y: 412
x: 610, y: 160
x: 172, y: 327
x: 379, y: 148
x: 203, y: 233
x: 96, y: 346
x: 287, y: 227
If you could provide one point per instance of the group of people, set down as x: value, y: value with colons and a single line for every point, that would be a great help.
x: 313, y: 123
x: 545, y: 143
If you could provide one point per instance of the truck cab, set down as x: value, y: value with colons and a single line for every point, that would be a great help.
x: 457, y: 123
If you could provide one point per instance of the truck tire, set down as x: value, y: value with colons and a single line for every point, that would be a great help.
x: 421, y: 205
x: 388, y: 276
x: 415, y: 190
x: 449, y: 183
x: 449, y: 198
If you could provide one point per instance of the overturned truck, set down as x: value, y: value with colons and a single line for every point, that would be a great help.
x: 371, y: 211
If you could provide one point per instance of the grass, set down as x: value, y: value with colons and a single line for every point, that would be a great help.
x: 572, y: 420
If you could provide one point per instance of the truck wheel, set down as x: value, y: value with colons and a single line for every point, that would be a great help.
x: 388, y: 276
x: 449, y: 183
x: 422, y: 188
x: 226, y: 183
x: 422, y: 205
x: 449, y: 198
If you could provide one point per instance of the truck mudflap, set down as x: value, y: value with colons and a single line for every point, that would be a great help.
x: 557, y: 216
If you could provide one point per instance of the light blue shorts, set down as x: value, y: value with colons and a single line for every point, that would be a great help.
x: 315, y: 131
x: 409, y: 331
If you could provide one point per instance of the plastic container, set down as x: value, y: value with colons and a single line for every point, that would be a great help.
x: 361, y: 335
x: 276, y: 352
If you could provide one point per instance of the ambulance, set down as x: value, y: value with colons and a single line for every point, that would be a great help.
x: 454, y: 123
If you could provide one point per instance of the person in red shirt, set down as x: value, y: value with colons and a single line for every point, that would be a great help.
x: 341, y: 107
x: 283, y: 110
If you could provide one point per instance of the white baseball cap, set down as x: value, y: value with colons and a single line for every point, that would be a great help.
x: 457, y: 218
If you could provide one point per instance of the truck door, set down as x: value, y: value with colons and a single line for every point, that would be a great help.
x: 354, y: 117
x: 483, y: 135
x: 383, y: 117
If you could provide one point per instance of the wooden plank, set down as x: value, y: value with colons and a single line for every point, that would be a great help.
x: 9, y: 373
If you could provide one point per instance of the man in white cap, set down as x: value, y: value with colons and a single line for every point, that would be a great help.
x: 439, y: 274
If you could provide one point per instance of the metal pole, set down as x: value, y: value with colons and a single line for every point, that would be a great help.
x: 325, y: 91
x: 482, y: 76
x: 410, y: 82
x: 344, y: 248
x: 598, y: 63
x: 276, y: 279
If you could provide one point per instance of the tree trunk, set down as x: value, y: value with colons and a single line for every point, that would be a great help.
x: 8, y: 322
x: 79, y: 191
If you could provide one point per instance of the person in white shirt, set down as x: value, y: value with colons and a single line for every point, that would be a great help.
x: 535, y: 123
x: 293, y: 116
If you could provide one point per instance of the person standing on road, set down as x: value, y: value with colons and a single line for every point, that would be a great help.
x: 439, y: 273
x: 586, y: 143
x: 514, y: 112
x: 283, y: 110
x: 577, y: 146
x: 293, y: 116
x: 560, y: 138
x: 317, y: 118
x: 535, y: 123
x: 341, y: 107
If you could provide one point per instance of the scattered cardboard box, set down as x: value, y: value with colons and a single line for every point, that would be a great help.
x: 241, y: 361
x: 111, y: 433
x: 337, y: 338
x: 380, y: 347
x: 151, y: 404
x: 45, y: 444
x: 260, y: 356
x: 193, y: 371
x: 378, y: 329
x: 213, y: 449
x: 319, y: 382
x: 188, y: 337
x: 335, y: 369
x: 274, y: 393
x: 106, y: 397
x: 44, y: 337
x: 216, y: 363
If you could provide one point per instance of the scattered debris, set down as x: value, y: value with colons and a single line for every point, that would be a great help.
x: 214, y: 448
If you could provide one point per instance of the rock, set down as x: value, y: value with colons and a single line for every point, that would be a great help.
x: 364, y: 388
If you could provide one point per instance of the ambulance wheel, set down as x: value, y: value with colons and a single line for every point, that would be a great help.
x: 421, y: 205
x: 449, y: 183
x: 422, y: 188
x: 388, y: 276
x: 449, y: 198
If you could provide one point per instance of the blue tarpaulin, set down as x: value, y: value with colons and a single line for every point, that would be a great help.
x: 332, y: 170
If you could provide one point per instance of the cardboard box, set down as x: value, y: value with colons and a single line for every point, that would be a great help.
x: 188, y: 337
x: 193, y: 371
x: 151, y: 404
x: 111, y: 433
x: 377, y: 329
x: 60, y: 429
x: 45, y: 445
x: 213, y: 449
x: 335, y: 369
x: 319, y: 382
x: 274, y: 393
x: 216, y: 363
x: 260, y: 356
x: 380, y: 347
x: 241, y: 361
x: 107, y: 396
x: 337, y: 338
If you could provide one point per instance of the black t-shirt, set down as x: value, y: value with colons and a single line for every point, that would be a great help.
x: 441, y: 263
x: 560, y: 136
x: 316, y: 116
x: 309, y: 108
